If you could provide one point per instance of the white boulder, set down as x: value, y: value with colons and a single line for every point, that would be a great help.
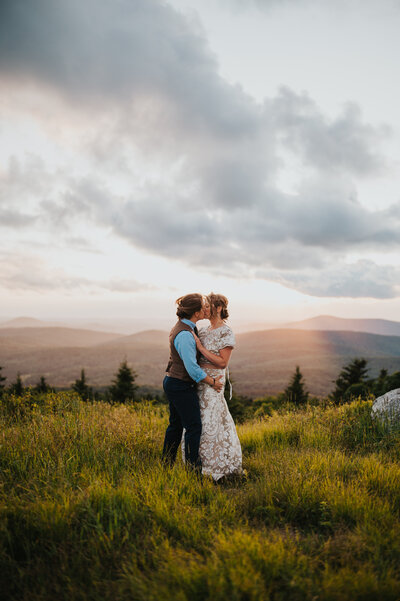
x: 386, y: 408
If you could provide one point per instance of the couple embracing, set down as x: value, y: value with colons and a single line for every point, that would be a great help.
x: 194, y: 385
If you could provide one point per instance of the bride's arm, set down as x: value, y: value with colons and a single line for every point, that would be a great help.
x: 220, y: 360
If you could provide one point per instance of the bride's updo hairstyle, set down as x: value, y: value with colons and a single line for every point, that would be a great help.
x: 189, y: 305
x: 218, y: 300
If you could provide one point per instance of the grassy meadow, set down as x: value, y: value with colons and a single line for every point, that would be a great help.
x: 89, y: 513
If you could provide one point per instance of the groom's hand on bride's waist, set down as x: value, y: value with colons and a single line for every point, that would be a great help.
x: 218, y: 384
x: 215, y: 383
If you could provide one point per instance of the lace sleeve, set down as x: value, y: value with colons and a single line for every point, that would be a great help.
x: 227, y: 338
x: 202, y: 333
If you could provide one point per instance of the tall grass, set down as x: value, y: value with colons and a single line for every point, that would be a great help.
x: 88, y: 511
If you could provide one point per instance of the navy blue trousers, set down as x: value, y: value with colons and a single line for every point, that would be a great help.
x: 184, y: 412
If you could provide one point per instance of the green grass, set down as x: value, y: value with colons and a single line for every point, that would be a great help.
x: 88, y: 512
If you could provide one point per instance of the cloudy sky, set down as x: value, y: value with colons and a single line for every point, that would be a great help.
x: 151, y: 148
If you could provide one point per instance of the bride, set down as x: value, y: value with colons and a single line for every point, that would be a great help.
x: 220, y: 450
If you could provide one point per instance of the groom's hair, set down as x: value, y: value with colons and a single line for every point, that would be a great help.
x: 189, y: 305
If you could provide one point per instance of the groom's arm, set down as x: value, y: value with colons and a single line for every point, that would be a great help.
x: 186, y: 346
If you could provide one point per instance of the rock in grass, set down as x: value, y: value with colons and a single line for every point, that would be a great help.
x: 386, y: 408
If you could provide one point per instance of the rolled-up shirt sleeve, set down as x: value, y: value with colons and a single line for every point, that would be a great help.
x: 185, y: 344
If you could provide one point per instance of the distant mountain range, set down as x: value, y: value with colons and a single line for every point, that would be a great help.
x: 29, y: 322
x: 127, y: 326
x: 262, y: 362
x: 328, y: 322
x: 54, y: 337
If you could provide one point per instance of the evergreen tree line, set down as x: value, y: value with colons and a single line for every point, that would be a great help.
x: 122, y: 389
x: 352, y: 382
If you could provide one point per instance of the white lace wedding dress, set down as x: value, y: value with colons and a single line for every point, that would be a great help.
x: 220, y: 449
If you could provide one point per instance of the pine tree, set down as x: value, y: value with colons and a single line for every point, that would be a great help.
x: 393, y: 381
x: 2, y: 379
x: 81, y: 387
x: 379, y: 385
x: 123, y: 387
x: 353, y: 373
x: 42, y: 385
x: 295, y: 392
x: 17, y: 387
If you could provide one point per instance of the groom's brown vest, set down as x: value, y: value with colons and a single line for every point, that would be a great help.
x: 176, y: 367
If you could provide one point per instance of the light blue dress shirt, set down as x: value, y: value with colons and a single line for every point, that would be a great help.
x: 185, y: 344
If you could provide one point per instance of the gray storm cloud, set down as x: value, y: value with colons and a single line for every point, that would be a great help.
x: 266, y: 5
x: 143, y: 64
x: 102, y: 51
x: 359, y: 280
x: 344, y: 144
x: 15, y: 219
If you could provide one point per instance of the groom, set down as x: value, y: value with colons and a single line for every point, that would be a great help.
x: 183, y: 373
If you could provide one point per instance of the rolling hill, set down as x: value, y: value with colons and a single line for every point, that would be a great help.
x: 266, y: 360
x: 383, y: 327
x: 261, y: 363
x: 29, y: 322
x: 54, y: 337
